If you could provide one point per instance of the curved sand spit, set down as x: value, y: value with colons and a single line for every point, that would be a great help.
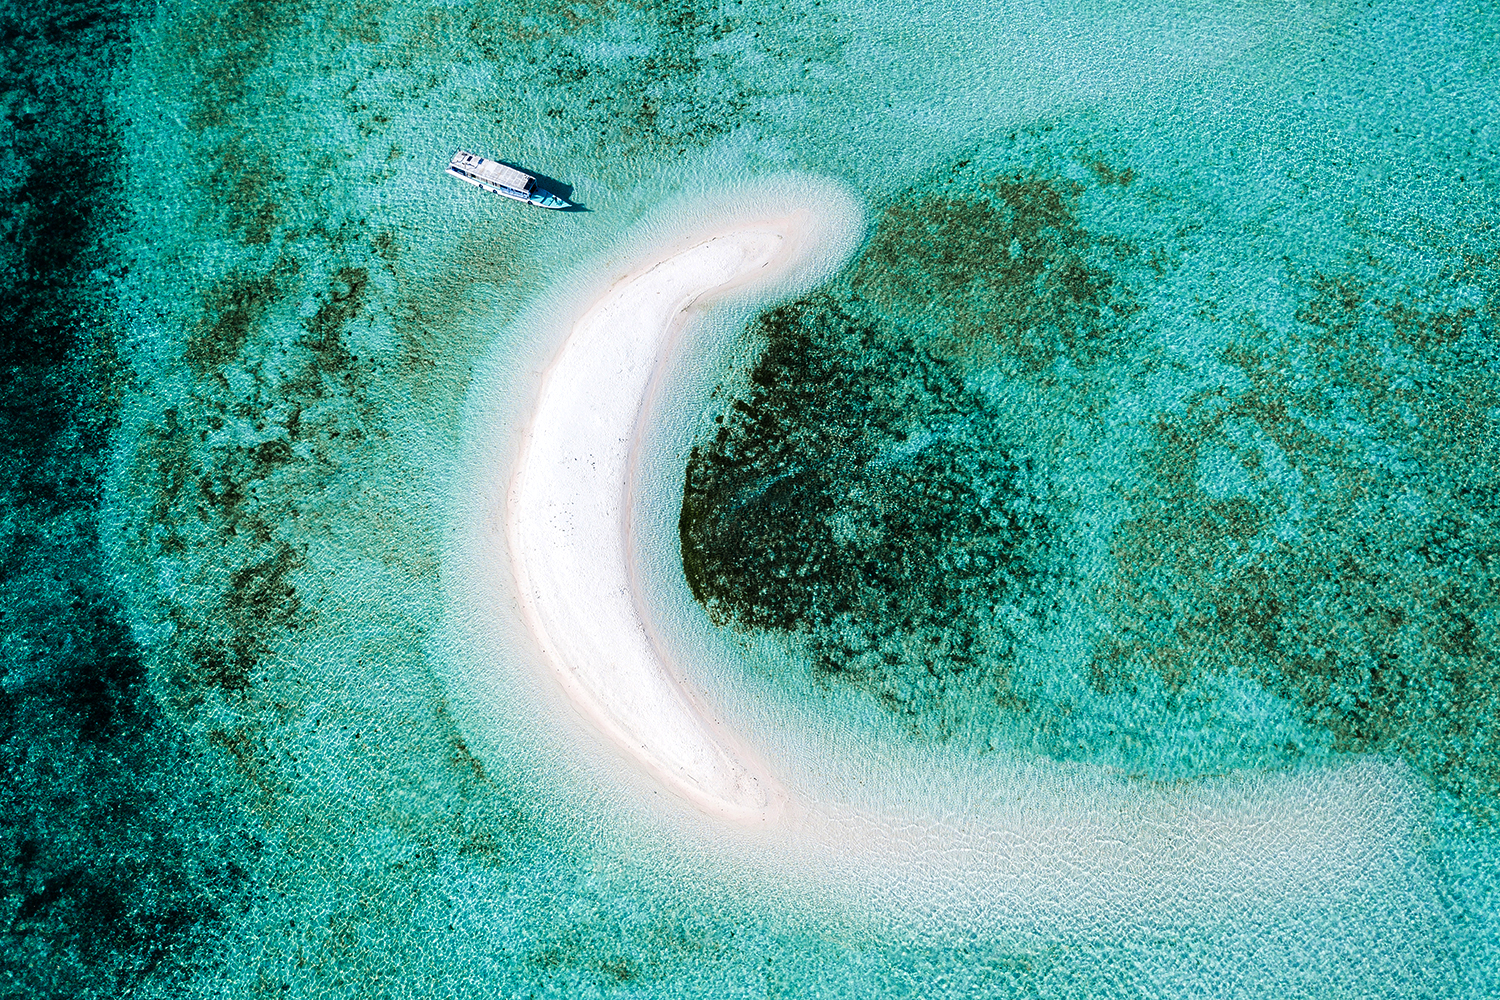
x: 568, y: 527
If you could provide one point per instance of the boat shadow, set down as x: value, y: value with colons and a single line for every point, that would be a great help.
x: 557, y: 187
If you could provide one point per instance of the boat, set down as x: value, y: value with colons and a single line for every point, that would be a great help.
x: 497, y: 178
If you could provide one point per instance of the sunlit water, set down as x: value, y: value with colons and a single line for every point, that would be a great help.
x: 1172, y: 378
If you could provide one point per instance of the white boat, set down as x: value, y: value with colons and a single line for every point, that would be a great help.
x: 497, y: 178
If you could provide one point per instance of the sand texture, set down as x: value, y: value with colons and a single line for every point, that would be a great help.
x: 568, y: 527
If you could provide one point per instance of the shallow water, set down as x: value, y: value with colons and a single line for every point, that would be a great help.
x: 1159, y: 482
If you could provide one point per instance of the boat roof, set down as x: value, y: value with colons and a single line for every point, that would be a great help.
x: 494, y: 173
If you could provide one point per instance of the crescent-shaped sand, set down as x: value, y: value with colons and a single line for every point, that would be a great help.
x: 568, y: 525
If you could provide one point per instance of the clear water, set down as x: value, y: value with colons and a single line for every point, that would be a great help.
x: 260, y: 742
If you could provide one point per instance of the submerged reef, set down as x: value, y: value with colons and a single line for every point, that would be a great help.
x: 1330, y: 526
x: 977, y: 479
x: 120, y: 863
x: 864, y: 494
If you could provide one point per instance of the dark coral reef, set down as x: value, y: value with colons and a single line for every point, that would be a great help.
x: 865, y: 494
x: 1317, y: 516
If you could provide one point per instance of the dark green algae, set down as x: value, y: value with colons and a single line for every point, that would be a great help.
x: 861, y: 493
x: 119, y: 860
x: 1321, y: 519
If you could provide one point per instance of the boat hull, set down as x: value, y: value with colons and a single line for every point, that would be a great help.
x: 538, y: 197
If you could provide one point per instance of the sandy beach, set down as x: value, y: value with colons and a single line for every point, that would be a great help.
x: 567, y: 512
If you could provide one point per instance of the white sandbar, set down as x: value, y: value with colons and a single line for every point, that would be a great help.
x: 567, y: 516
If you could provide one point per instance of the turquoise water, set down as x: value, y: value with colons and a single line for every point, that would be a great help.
x: 1147, y: 443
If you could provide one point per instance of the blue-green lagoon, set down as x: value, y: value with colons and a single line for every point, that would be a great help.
x: 1090, y: 543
